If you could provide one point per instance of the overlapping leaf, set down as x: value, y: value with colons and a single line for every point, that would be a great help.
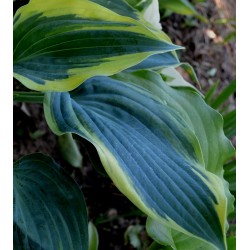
x: 150, y: 148
x: 155, y: 62
x: 58, y: 44
x: 175, y: 240
x: 49, y: 209
x: 207, y: 124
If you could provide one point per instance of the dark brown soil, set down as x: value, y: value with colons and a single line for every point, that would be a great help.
x: 211, y: 58
x: 110, y: 211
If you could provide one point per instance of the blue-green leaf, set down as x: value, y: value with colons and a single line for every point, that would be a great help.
x: 49, y: 209
x: 149, y: 148
x: 158, y: 61
x: 58, y: 44
x: 206, y: 123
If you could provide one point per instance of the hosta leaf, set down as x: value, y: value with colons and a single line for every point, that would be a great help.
x: 69, y: 150
x: 156, y: 246
x: 49, y: 209
x: 158, y: 61
x: 207, y: 126
x: 160, y: 233
x: 148, y: 149
x: 93, y: 237
x: 152, y: 15
x: 206, y: 123
x: 120, y: 7
x: 139, y: 5
x: 146, y: 11
x: 174, y: 78
x: 177, y: 240
x: 59, y: 44
x: 191, y: 73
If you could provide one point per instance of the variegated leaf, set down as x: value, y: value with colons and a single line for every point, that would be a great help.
x: 58, y: 44
x: 149, y: 149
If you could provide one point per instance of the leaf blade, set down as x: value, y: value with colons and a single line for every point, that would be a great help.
x: 58, y: 45
x: 224, y: 95
x: 132, y: 141
x: 49, y: 209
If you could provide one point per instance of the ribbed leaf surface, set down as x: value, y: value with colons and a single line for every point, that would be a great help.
x: 49, y: 209
x: 148, y: 149
x: 58, y: 44
x: 205, y: 122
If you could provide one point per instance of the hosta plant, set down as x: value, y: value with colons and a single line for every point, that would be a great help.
x: 105, y: 72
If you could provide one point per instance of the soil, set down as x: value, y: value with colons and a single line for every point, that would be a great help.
x: 109, y: 210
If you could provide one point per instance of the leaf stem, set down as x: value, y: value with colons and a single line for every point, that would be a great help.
x: 30, y: 97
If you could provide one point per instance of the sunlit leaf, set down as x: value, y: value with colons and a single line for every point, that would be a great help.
x: 58, y: 44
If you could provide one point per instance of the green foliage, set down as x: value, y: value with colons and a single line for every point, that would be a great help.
x: 101, y: 110
x: 59, y: 45
x: 177, y: 240
x: 69, y: 150
x: 93, y: 237
x: 183, y: 7
x: 49, y: 208
x: 221, y: 103
x: 231, y: 242
x: 161, y: 144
